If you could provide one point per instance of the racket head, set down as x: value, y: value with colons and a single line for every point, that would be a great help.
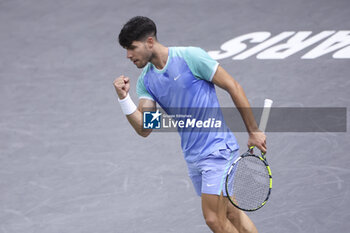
x: 249, y: 182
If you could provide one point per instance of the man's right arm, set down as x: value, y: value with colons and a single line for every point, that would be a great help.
x: 133, y: 114
x: 136, y: 118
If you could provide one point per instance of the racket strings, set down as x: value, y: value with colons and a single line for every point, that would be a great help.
x: 249, y: 183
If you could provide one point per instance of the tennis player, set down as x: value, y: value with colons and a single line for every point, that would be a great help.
x: 185, y: 77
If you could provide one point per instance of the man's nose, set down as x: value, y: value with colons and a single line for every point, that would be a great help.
x: 128, y: 54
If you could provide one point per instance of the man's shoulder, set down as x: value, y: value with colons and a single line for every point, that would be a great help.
x: 189, y: 53
x: 184, y: 49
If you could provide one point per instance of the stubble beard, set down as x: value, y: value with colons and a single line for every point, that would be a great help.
x: 146, y: 61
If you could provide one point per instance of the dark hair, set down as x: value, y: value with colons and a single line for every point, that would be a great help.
x: 137, y: 29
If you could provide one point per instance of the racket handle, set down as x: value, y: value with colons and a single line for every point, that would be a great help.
x: 265, y: 114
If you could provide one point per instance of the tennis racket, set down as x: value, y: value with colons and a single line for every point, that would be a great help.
x: 249, y: 179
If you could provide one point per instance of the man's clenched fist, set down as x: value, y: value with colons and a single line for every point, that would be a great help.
x: 122, y: 86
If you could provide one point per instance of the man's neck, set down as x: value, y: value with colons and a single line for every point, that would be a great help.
x: 160, y: 56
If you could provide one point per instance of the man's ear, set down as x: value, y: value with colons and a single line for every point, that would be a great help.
x: 150, y: 42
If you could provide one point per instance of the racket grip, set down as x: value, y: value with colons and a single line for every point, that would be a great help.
x: 265, y: 114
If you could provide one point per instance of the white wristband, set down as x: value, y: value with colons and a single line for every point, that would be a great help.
x: 128, y: 106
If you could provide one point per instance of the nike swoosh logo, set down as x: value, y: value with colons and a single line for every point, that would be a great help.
x: 210, y: 185
x: 177, y: 77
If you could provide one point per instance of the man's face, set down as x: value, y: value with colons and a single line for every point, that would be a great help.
x: 139, y: 53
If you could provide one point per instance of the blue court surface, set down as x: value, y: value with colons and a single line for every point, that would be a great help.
x: 69, y: 160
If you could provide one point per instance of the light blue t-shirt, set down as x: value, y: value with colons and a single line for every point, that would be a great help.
x: 185, y: 83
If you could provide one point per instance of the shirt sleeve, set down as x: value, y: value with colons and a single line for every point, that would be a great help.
x: 200, y: 63
x: 141, y: 90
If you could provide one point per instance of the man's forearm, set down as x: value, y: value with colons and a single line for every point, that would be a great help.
x: 225, y: 81
x: 136, y: 121
x: 240, y: 100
